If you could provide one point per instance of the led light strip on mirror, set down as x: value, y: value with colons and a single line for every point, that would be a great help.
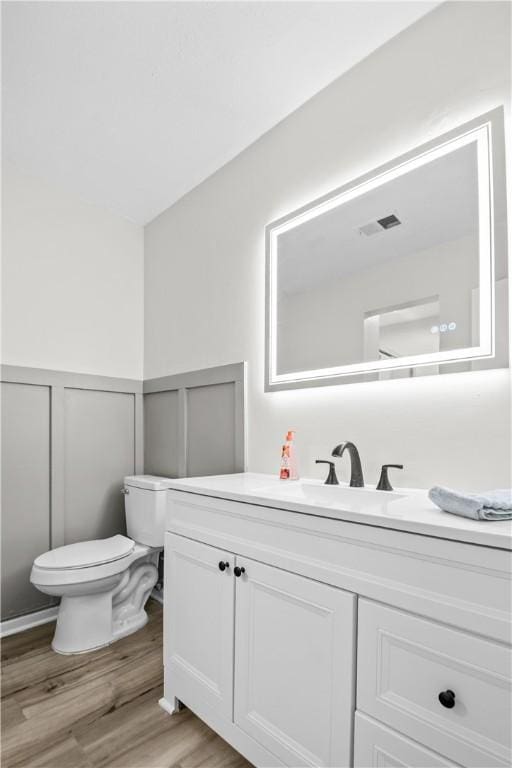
x: 480, y: 133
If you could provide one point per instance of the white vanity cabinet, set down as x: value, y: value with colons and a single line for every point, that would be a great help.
x: 305, y: 640
x: 271, y: 653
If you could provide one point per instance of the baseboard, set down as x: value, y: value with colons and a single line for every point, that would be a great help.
x: 21, y: 623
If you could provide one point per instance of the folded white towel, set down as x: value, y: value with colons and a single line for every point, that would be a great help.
x: 489, y: 505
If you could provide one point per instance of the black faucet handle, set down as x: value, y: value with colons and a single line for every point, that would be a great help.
x: 384, y: 484
x: 331, y: 477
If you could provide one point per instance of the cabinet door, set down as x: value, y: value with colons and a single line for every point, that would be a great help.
x: 294, y: 665
x: 199, y: 616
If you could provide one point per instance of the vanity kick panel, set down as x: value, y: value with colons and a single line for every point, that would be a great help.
x: 405, y: 662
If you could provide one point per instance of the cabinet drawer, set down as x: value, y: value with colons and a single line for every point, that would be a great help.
x: 405, y: 662
x: 377, y: 746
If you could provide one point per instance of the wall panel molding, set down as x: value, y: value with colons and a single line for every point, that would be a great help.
x: 48, y: 378
x: 203, y: 418
x: 57, y: 509
x: 26, y: 493
x: 26, y: 515
x: 139, y: 434
x: 69, y: 440
x: 219, y: 374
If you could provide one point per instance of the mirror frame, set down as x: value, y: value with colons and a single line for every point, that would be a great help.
x: 486, y: 130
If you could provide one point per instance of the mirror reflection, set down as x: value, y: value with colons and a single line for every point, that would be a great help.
x: 390, y: 273
x: 382, y: 274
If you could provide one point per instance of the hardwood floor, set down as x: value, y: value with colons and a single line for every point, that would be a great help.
x: 98, y: 709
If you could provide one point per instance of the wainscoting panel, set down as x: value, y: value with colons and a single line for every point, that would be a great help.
x: 67, y: 442
x: 194, y: 422
x: 211, y: 428
x: 25, y: 493
x: 99, y: 449
x: 162, y: 433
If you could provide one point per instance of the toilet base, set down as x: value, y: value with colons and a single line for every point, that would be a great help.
x: 137, y: 622
x: 117, y: 635
x: 86, y: 623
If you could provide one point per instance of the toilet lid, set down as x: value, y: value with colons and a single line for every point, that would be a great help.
x: 86, y: 553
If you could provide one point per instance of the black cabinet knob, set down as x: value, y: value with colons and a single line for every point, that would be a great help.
x: 223, y: 565
x: 239, y: 571
x: 447, y: 699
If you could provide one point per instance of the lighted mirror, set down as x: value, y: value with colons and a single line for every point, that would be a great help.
x: 401, y: 273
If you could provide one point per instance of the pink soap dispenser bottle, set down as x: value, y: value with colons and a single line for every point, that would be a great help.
x: 289, y: 468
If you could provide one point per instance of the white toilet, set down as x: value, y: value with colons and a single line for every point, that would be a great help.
x: 104, y: 584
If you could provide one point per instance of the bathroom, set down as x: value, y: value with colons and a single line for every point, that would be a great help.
x: 172, y: 596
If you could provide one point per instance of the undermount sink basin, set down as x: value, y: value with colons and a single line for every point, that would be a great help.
x: 340, y: 496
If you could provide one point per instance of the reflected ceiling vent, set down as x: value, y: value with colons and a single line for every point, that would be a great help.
x: 373, y: 227
x: 389, y: 221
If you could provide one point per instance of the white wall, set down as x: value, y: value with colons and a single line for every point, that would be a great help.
x: 204, y: 277
x: 329, y: 319
x: 72, y: 282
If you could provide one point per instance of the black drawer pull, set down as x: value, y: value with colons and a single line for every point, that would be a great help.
x: 239, y: 571
x: 223, y: 565
x: 447, y: 699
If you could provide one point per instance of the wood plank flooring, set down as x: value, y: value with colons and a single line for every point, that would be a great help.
x: 98, y: 710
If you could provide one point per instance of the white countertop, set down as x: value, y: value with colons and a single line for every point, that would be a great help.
x: 405, y: 509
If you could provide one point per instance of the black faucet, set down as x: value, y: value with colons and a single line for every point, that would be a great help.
x: 356, y: 471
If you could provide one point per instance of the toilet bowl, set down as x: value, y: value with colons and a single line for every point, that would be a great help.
x: 104, y: 584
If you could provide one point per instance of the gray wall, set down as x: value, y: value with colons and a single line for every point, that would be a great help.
x: 67, y: 442
x: 26, y: 530
x: 194, y: 422
x: 69, y: 439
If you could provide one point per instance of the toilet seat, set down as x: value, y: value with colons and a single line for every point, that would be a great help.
x: 67, y: 571
x: 86, y: 554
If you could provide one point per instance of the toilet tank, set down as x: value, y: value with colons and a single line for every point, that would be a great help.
x: 144, y: 504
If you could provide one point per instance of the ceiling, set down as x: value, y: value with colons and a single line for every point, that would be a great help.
x: 436, y: 204
x: 132, y: 104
